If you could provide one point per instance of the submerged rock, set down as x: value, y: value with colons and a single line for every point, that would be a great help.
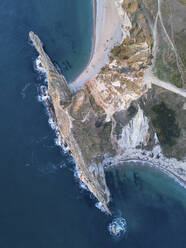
x: 117, y: 227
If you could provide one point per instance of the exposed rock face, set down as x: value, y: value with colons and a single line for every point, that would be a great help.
x: 120, y: 82
x: 135, y: 133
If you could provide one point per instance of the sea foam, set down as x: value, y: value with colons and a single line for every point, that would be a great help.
x: 23, y: 91
x: 43, y: 98
x: 100, y: 207
x: 117, y: 227
x: 77, y: 175
x: 38, y: 67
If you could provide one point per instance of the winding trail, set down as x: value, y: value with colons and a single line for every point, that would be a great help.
x: 149, y: 77
x: 169, y: 39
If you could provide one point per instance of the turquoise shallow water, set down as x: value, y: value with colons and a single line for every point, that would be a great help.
x: 41, y: 202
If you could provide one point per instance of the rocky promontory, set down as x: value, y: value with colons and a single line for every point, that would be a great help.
x: 81, y: 124
x: 118, y: 115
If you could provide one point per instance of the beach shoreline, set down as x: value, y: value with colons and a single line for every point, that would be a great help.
x: 170, y: 166
x: 107, y: 33
x: 148, y: 164
x: 93, y: 39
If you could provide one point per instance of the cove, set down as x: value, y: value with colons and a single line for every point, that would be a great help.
x: 152, y: 203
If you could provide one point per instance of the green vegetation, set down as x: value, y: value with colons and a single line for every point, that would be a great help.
x: 129, y: 5
x: 119, y: 52
x: 182, y: 1
x: 165, y: 124
x: 180, y: 45
x: 176, y: 79
x: 166, y: 69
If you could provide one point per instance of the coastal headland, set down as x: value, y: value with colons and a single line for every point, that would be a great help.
x: 111, y: 112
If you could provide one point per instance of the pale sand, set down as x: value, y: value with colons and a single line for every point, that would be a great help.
x: 107, y: 34
x: 150, y: 78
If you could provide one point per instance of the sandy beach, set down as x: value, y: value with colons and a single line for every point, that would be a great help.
x: 108, y: 32
x: 171, y: 166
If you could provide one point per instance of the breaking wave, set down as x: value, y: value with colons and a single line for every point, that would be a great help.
x: 52, y: 124
x: 61, y: 143
x: 100, y: 207
x: 117, y: 227
x: 39, y: 68
x: 43, y: 98
x: 77, y: 175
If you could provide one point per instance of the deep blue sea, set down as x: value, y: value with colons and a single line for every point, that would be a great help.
x: 41, y: 203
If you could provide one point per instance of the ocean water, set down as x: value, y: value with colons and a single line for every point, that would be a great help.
x: 41, y: 203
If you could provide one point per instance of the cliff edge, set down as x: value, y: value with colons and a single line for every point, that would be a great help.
x: 81, y: 124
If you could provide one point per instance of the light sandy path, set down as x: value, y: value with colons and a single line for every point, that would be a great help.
x: 149, y: 79
x: 108, y: 33
x: 169, y: 39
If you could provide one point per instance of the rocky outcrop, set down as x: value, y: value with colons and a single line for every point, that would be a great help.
x: 82, y: 125
x: 135, y: 133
